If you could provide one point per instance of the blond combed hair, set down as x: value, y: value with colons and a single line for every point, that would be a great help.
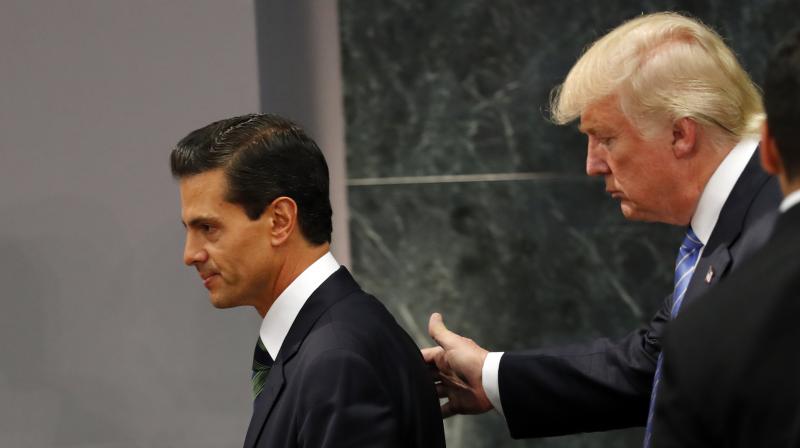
x: 664, y: 66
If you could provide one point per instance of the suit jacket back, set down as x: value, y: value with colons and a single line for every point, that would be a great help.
x: 346, y: 375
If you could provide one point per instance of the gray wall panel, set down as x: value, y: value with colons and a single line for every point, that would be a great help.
x: 107, y: 340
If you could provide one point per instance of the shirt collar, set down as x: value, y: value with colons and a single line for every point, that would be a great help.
x: 790, y: 201
x: 719, y: 187
x: 284, y: 311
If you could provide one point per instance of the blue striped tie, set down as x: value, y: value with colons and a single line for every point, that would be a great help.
x: 684, y: 267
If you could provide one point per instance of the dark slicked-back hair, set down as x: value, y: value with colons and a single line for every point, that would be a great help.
x: 782, y: 101
x: 264, y: 157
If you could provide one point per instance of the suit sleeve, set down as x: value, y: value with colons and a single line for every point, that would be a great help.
x: 344, y: 404
x: 597, y: 386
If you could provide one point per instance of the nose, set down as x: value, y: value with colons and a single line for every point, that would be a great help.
x: 193, y: 253
x: 596, y: 159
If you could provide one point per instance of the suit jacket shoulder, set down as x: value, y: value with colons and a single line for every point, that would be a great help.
x: 744, y: 225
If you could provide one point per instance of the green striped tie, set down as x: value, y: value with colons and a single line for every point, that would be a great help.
x: 262, y: 362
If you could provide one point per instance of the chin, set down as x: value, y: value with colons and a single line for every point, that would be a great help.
x: 629, y: 212
x: 632, y: 214
x: 220, y: 302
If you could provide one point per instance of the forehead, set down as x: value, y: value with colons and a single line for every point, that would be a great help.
x: 204, y: 195
x: 603, y: 116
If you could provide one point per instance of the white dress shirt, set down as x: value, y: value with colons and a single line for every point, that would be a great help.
x: 704, y: 220
x: 790, y: 201
x: 284, y: 311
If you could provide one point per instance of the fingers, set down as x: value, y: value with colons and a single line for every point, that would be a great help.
x: 430, y: 354
x: 435, y: 374
x: 444, y: 337
x: 441, y: 390
x: 447, y: 410
x: 437, y: 365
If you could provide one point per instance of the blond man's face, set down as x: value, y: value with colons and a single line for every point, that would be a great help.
x: 638, y: 171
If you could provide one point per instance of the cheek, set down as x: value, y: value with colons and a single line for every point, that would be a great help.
x: 632, y: 173
x: 620, y: 169
x: 223, y: 260
x: 216, y: 261
x: 252, y: 259
x: 616, y: 158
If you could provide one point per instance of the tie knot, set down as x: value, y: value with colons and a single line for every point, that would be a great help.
x: 261, y: 358
x: 691, y: 242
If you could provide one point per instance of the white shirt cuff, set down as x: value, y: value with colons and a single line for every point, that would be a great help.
x: 490, y: 379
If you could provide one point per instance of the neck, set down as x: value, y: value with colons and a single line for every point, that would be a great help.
x: 701, y: 167
x: 295, y: 262
x: 788, y: 186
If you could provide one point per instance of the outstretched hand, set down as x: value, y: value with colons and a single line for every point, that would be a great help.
x: 457, y: 365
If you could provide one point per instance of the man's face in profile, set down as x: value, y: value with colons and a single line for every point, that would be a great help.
x: 637, y: 170
x: 230, y: 252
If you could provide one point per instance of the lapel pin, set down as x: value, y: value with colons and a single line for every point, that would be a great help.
x: 710, y: 274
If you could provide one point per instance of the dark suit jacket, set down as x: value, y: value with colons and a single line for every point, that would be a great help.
x: 606, y: 384
x: 731, y: 362
x: 346, y: 375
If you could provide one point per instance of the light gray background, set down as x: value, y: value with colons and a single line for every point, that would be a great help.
x: 106, y: 339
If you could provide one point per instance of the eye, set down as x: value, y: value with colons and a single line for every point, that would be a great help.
x: 607, y: 141
x: 208, y: 229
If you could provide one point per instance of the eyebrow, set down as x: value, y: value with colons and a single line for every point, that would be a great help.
x: 202, y: 219
x: 593, y: 130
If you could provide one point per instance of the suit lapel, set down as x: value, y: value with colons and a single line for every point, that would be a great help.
x: 710, y: 268
x: 716, y: 257
x: 336, y: 287
x: 263, y: 403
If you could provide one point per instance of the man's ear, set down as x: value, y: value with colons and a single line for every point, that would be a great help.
x: 684, y: 137
x: 770, y: 159
x: 283, y: 219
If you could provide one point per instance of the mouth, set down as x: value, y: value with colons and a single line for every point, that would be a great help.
x: 615, y: 194
x: 208, y: 278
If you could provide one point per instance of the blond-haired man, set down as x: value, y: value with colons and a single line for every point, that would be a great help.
x: 672, y: 122
x: 731, y: 369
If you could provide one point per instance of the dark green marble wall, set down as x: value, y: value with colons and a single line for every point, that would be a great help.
x: 530, y: 252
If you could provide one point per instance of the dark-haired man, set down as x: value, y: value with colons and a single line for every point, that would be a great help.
x: 731, y: 370
x: 331, y: 366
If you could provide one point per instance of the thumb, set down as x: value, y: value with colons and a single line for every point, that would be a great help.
x: 444, y: 337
